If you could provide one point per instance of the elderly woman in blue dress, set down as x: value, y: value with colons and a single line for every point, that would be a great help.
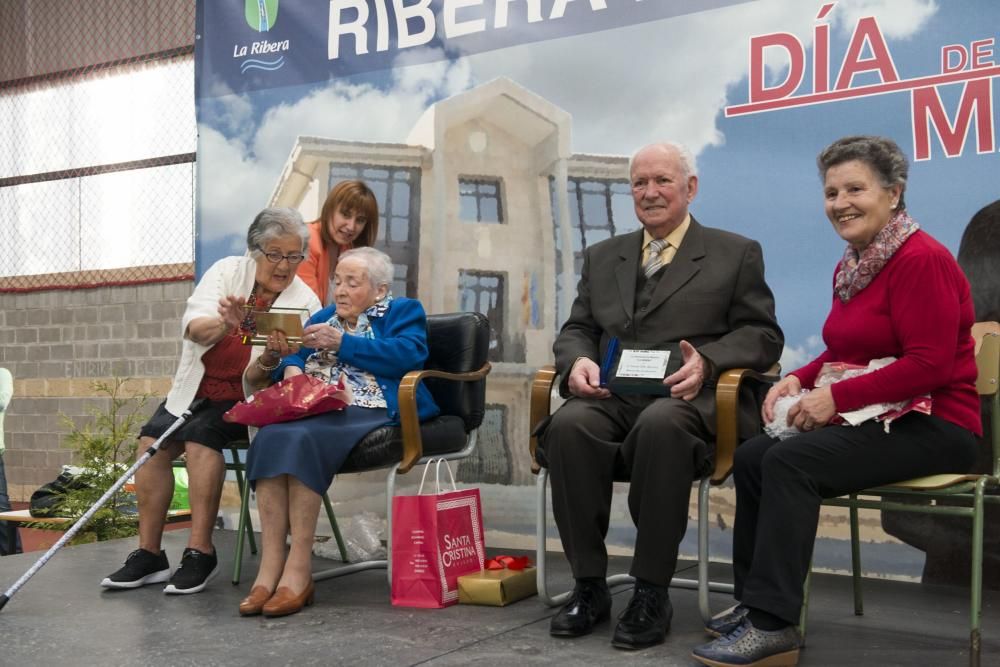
x: 370, y: 338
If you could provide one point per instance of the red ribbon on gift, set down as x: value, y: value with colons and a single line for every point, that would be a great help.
x: 507, y: 562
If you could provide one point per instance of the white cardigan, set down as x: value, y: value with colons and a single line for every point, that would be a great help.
x: 228, y: 276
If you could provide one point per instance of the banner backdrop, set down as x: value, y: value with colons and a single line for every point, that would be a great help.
x: 496, y: 134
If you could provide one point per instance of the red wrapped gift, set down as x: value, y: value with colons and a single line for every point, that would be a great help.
x: 294, y: 398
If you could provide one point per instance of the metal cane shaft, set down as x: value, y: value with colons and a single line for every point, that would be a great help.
x: 82, y: 521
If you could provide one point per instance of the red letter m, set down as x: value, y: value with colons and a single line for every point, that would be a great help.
x: 977, y: 98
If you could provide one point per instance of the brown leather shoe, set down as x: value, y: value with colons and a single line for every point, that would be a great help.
x: 252, y: 604
x: 285, y: 602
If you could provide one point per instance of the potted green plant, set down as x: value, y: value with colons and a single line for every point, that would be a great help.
x: 103, y: 449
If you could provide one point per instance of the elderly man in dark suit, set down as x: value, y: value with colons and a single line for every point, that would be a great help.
x: 698, y: 293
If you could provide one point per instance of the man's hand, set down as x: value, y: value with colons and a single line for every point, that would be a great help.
x: 813, y: 411
x: 687, y: 381
x: 585, y: 380
x: 787, y: 386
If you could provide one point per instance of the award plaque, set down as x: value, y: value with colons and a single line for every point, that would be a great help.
x: 637, y: 370
x: 286, y: 320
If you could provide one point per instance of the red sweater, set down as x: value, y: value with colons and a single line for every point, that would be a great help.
x: 918, y: 309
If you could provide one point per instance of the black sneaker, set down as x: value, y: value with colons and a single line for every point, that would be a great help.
x: 141, y: 567
x: 196, y: 570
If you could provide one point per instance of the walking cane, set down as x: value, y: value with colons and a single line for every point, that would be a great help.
x: 82, y: 521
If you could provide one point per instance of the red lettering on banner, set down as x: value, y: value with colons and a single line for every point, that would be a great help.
x: 981, y: 50
x: 866, y: 31
x: 946, y: 54
x: 928, y: 110
x: 796, y: 54
x: 821, y: 58
x: 974, y: 66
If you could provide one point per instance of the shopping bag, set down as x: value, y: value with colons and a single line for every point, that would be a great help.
x: 293, y: 398
x: 180, y: 499
x: 436, y: 537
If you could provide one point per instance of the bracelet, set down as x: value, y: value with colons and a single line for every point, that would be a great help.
x: 267, y: 369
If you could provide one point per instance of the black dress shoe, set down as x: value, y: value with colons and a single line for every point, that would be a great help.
x: 589, y: 604
x: 645, y: 621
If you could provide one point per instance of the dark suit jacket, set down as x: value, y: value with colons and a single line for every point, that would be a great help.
x: 712, y: 294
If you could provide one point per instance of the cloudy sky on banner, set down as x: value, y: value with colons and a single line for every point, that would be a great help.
x: 667, y: 78
x: 628, y: 86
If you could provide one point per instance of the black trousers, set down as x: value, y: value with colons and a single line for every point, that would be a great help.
x: 780, y: 485
x: 657, y: 444
x: 10, y: 541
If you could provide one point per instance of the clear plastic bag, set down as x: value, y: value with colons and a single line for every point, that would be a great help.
x: 779, y: 428
x: 362, y: 539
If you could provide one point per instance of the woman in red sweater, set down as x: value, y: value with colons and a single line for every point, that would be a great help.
x: 897, y: 293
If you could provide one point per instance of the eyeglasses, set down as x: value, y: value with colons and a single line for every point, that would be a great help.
x: 276, y: 257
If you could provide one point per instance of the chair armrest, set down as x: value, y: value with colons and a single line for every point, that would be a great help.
x: 541, y: 406
x: 727, y: 415
x: 409, y: 418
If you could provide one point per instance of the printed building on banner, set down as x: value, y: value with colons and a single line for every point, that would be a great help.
x: 476, y: 209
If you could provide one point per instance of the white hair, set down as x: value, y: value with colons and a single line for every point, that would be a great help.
x: 684, y: 156
x: 379, y: 265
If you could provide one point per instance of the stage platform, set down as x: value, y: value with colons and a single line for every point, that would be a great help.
x: 63, y: 617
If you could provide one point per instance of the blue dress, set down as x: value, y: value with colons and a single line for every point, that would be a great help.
x: 390, y: 341
x: 311, y: 449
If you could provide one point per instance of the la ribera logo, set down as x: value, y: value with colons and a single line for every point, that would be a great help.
x: 261, y: 14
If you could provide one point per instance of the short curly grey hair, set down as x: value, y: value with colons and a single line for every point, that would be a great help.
x: 272, y: 223
x: 881, y: 154
x: 380, y: 268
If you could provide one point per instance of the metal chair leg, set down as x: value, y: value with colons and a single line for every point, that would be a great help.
x: 335, y: 527
x: 702, y: 584
x: 244, y: 523
x: 975, y: 639
x: 350, y: 568
x: 239, y: 467
x: 856, y: 561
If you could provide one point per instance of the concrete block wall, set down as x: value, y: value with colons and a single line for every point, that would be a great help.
x: 56, y: 343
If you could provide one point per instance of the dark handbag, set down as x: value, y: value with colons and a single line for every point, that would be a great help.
x: 45, y: 501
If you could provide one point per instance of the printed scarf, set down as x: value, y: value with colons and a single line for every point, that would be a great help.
x: 326, y: 366
x: 857, y: 270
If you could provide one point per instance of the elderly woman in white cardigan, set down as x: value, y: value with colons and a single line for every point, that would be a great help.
x: 212, y: 365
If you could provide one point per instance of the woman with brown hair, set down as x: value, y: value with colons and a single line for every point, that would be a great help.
x: 349, y: 219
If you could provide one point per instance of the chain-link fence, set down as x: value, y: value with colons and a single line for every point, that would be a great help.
x: 97, y: 143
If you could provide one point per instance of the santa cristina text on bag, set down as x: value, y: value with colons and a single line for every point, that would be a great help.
x: 436, y: 538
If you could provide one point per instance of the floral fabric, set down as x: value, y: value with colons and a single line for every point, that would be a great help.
x: 325, y: 365
x: 857, y: 270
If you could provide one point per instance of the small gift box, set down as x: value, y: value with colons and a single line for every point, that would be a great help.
x: 506, y: 579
